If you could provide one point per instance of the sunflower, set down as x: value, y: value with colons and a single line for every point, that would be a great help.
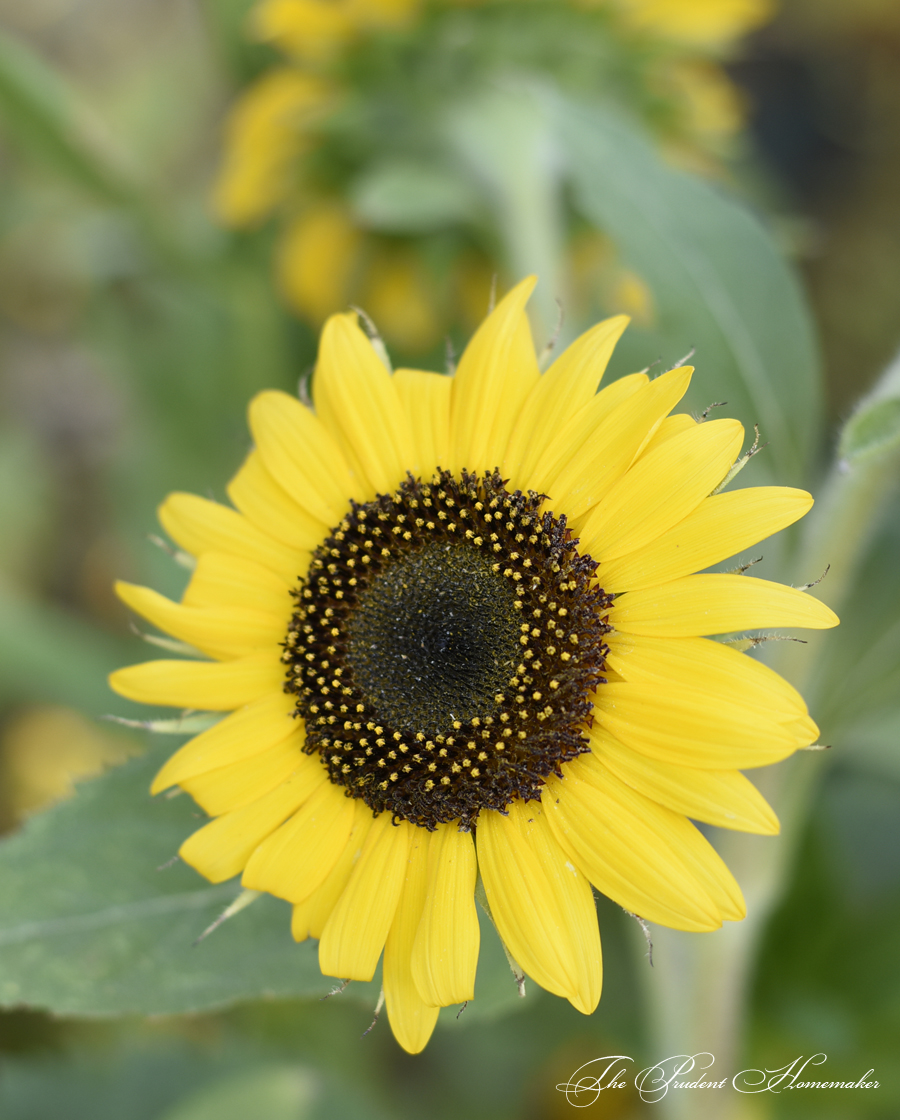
x: 457, y: 623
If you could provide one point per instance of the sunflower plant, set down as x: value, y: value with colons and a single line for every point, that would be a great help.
x: 348, y: 138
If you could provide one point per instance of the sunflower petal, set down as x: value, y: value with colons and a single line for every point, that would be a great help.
x: 628, y: 847
x: 357, y: 400
x: 229, y: 787
x: 292, y: 861
x: 445, y: 951
x: 567, y: 386
x: 254, y: 728
x: 221, y: 848
x: 683, y: 725
x: 205, y: 685
x: 661, y: 489
x: 721, y: 797
x: 301, y: 455
x: 671, y: 426
x: 355, y: 933
x: 717, y: 604
x: 576, y: 901
x: 221, y: 579
x: 425, y: 398
x: 700, y: 663
x: 719, y: 527
x: 267, y: 506
x: 579, y: 429
x: 220, y: 632
x: 496, y: 373
x: 311, y: 915
x: 588, y: 472
x: 524, y: 903
x: 199, y: 526
x: 412, y: 1020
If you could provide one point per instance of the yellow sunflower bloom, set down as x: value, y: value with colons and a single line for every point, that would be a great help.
x: 459, y: 628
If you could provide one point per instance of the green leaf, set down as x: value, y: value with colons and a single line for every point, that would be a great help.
x: 874, y: 428
x: 717, y: 279
x: 90, y: 926
x: 44, y: 114
x: 94, y: 923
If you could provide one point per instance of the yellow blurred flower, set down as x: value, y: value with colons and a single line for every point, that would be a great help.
x: 317, y: 258
x: 47, y: 749
x: 314, y: 29
x: 266, y: 134
x: 703, y: 23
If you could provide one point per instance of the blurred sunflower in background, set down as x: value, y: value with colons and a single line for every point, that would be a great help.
x: 344, y: 139
x: 444, y: 682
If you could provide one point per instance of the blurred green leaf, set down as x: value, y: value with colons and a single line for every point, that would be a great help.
x: 717, y: 279
x: 874, y: 428
x: 51, y: 656
x: 276, y: 1093
x: 44, y: 115
x: 407, y: 197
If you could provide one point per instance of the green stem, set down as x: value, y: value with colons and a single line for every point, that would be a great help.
x: 504, y: 138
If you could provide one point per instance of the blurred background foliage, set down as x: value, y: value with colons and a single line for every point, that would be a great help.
x: 187, y: 188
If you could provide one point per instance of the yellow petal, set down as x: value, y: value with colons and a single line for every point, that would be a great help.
x: 301, y: 455
x: 412, y: 1020
x: 576, y: 903
x: 266, y: 505
x: 426, y: 401
x: 671, y: 426
x: 297, y: 858
x: 199, y: 526
x: 221, y: 848
x: 220, y: 632
x: 445, y: 951
x: 661, y: 489
x: 608, y: 451
x: 496, y: 373
x: 312, y: 913
x: 720, y: 526
x: 687, y: 726
x: 205, y: 685
x: 717, y: 604
x: 629, y: 847
x: 567, y: 386
x: 356, y: 398
x: 721, y: 797
x: 229, y: 787
x: 256, y: 727
x: 355, y: 933
x: 524, y: 903
x: 699, y: 663
x: 579, y: 430
x: 224, y: 580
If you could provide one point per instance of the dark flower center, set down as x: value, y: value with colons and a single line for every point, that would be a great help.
x: 444, y: 649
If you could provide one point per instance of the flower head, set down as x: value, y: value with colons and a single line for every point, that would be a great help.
x: 458, y: 628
